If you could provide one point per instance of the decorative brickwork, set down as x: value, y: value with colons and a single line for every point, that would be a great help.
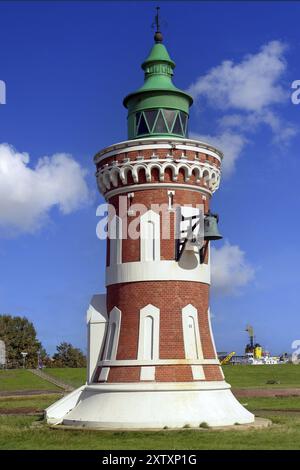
x: 158, y: 165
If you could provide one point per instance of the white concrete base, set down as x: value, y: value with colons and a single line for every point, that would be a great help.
x: 56, y: 412
x: 150, y: 405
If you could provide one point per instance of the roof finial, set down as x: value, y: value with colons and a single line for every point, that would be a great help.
x: 157, y: 36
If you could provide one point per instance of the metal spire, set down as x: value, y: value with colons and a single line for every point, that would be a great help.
x: 157, y: 19
x: 158, y: 37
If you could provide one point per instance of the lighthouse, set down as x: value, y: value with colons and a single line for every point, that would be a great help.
x: 152, y: 360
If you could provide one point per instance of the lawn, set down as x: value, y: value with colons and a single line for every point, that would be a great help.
x: 74, y: 377
x: 31, y: 432
x: 247, y: 376
x: 36, y: 403
x: 21, y: 379
x: 22, y: 425
x: 239, y: 376
x: 271, y: 403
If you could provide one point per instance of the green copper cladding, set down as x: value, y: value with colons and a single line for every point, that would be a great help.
x: 158, y: 108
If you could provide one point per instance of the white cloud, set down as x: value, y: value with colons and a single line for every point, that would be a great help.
x: 282, y: 131
x: 246, y: 92
x: 250, y: 85
x: 229, y: 269
x: 28, y: 194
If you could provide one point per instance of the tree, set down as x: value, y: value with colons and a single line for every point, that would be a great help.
x: 19, y: 335
x: 68, y: 356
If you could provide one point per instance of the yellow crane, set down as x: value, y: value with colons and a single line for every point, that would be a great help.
x: 256, y: 348
x: 227, y: 358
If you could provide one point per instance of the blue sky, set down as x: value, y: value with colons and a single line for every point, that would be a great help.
x: 67, y: 67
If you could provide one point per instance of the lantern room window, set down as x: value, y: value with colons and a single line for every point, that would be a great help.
x: 161, y: 121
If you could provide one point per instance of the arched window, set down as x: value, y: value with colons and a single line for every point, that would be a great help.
x: 115, y: 236
x: 191, y: 339
x: 192, y: 346
x: 150, y: 236
x: 149, y: 337
x: 149, y: 333
x: 191, y: 335
x: 112, y: 337
x: 148, y: 347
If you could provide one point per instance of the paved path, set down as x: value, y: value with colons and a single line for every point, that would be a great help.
x: 20, y: 393
x: 238, y: 392
x: 266, y: 392
x: 59, y: 383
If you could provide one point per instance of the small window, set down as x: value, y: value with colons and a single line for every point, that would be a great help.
x: 191, y: 334
x: 169, y: 117
x: 149, y: 338
x: 160, y: 125
x: 150, y: 117
x: 150, y: 236
x: 148, y: 347
x: 183, y: 118
x: 112, y: 336
x: 142, y: 128
x: 177, y: 129
x: 137, y: 119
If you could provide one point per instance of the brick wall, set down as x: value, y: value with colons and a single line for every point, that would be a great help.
x: 159, y: 196
x: 170, y: 297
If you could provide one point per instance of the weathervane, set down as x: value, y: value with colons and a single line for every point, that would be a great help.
x: 157, y: 20
x: 157, y: 36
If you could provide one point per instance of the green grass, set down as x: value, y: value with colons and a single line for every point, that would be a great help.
x: 239, y: 376
x: 75, y: 377
x: 247, y: 376
x: 21, y: 379
x: 28, y: 432
x: 271, y: 403
x: 39, y: 403
x: 31, y: 432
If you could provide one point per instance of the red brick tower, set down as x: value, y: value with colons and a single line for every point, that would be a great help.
x: 152, y: 358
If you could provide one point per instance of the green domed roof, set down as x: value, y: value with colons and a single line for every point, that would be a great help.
x: 158, y: 93
x: 158, y: 52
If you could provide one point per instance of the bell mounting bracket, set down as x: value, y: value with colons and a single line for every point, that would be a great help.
x: 180, y: 245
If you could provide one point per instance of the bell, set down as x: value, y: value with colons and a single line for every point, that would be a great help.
x: 211, y: 231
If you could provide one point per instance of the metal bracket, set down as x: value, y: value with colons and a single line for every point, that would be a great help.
x: 202, y: 253
x: 180, y: 246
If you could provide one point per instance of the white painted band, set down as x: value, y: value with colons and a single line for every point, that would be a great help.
x: 163, y: 270
x: 159, y: 362
x: 145, y: 144
x: 159, y: 386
